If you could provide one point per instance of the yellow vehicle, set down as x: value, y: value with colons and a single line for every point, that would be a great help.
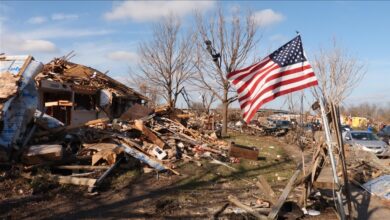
x: 359, y: 122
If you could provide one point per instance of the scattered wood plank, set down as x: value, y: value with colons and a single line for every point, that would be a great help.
x: 108, y: 155
x: 83, y: 174
x: 82, y: 167
x: 91, y: 188
x: 139, y: 125
x: 59, y: 103
x: 72, y: 127
x: 145, y: 158
x: 37, y: 154
x: 9, y: 85
x: 266, y: 189
x: 236, y: 202
x: 275, y: 209
x: 185, y: 138
x: 80, y: 181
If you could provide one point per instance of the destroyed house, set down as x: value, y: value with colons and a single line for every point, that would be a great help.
x: 75, y: 94
x: 18, y: 97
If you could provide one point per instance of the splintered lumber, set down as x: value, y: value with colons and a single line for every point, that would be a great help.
x: 108, y: 155
x: 91, y: 188
x: 181, y: 126
x: 210, y: 149
x: 275, y: 209
x: 82, y: 167
x: 266, y: 189
x: 185, y: 138
x: 37, y: 154
x: 59, y: 103
x: 139, y: 125
x: 80, y: 181
x: 237, y: 203
x: 71, y: 127
x: 8, y: 84
x: 145, y: 158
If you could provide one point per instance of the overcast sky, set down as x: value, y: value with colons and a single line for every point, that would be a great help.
x: 105, y: 34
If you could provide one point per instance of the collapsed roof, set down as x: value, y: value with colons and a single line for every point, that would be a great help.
x: 84, y: 77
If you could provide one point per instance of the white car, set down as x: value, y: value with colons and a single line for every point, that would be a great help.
x: 367, y: 141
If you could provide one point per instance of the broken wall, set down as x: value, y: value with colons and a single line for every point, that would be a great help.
x: 20, y: 108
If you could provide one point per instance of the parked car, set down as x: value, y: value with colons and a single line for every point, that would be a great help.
x: 367, y: 141
x: 384, y: 133
x: 312, y: 126
x: 282, y: 124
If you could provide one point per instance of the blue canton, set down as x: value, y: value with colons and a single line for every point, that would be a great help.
x: 290, y: 53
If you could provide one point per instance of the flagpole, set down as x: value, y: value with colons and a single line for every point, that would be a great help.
x: 332, y: 160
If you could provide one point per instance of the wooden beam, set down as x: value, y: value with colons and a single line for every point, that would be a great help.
x: 145, y: 158
x: 80, y: 181
x: 82, y: 167
x: 71, y: 127
x: 266, y: 189
x: 275, y: 209
x: 103, y: 176
x: 236, y: 202
x: 139, y: 125
x: 37, y: 154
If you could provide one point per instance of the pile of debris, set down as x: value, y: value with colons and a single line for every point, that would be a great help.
x: 99, y: 145
x: 81, y: 124
x: 368, y: 172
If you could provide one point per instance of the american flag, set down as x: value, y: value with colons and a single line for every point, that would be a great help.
x: 284, y: 71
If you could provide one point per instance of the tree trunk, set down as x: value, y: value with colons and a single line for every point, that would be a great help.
x: 225, y: 106
x: 170, y: 100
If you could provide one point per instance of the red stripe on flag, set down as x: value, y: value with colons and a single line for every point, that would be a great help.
x: 277, y: 94
x: 256, y: 66
x: 260, y: 72
x: 278, y: 75
x: 275, y: 86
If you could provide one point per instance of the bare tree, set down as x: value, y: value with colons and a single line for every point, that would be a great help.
x: 166, y: 61
x: 208, y: 98
x: 223, y: 45
x: 145, y: 89
x: 338, y: 73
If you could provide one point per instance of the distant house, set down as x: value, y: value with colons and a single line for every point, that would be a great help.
x: 75, y: 94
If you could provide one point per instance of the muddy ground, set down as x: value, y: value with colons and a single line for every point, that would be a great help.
x: 200, y: 190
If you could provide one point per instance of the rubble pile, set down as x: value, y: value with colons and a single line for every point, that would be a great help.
x: 80, y: 124
x: 364, y: 167
x: 98, y: 145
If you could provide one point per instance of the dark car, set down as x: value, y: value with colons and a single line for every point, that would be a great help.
x: 384, y: 133
x: 282, y: 124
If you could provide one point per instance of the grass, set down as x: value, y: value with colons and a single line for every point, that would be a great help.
x: 270, y: 165
x: 276, y: 161
x: 124, y: 178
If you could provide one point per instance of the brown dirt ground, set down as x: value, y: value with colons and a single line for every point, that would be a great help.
x: 130, y: 194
